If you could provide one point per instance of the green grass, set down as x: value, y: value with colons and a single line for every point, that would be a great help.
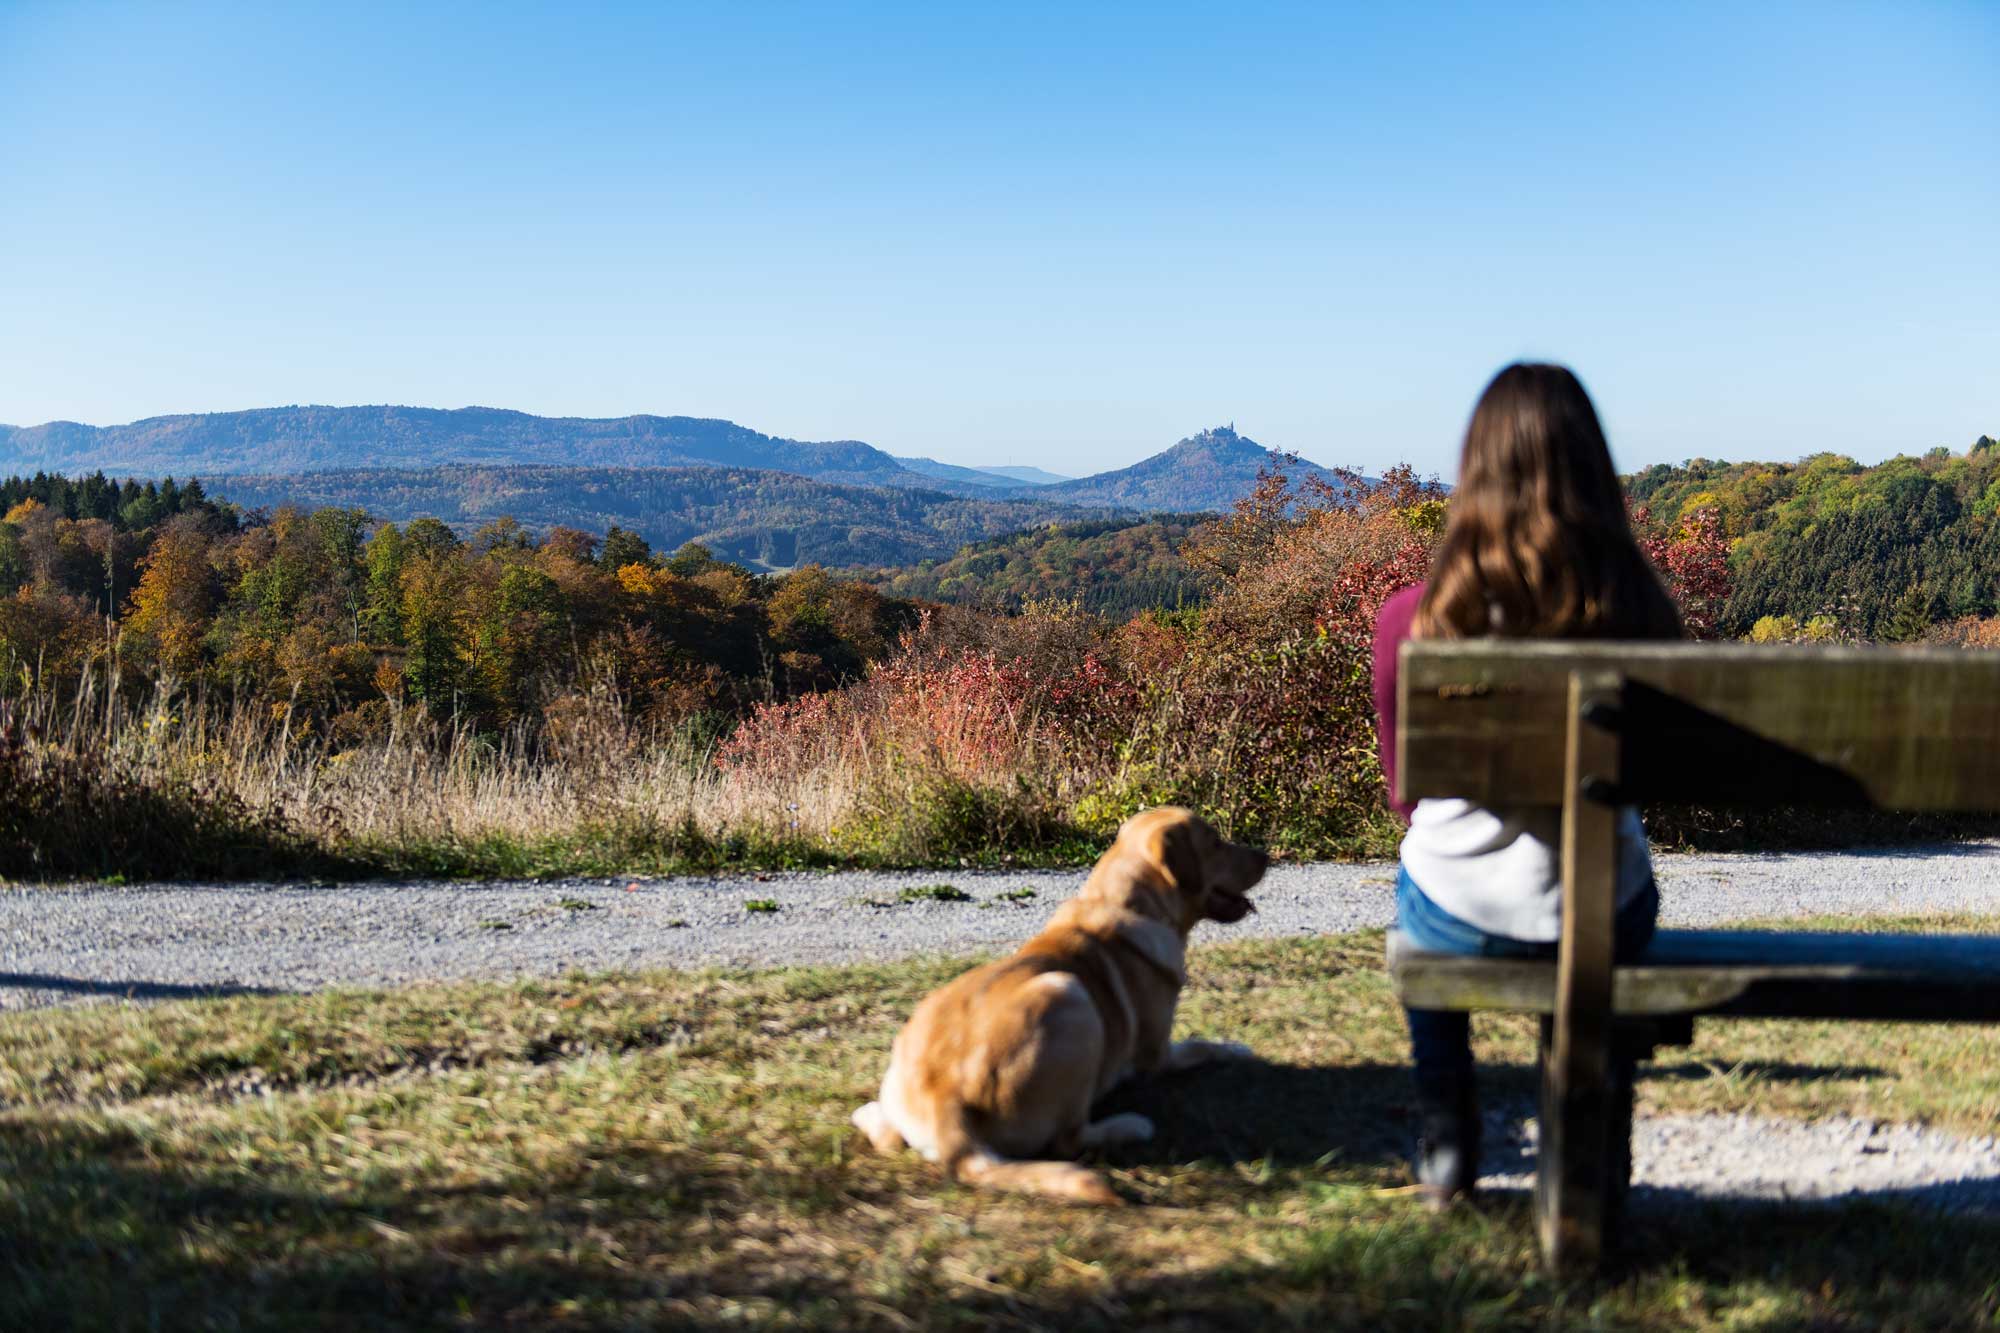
x: 672, y: 1149
x: 934, y: 893
x: 761, y: 905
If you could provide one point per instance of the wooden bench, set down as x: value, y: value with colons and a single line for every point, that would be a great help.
x: 1588, y: 726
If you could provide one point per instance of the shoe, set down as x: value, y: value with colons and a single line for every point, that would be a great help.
x: 1447, y: 1157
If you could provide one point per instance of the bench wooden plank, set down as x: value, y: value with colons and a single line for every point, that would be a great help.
x: 1573, y: 1192
x: 1772, y: 974
x: 1712, y: 724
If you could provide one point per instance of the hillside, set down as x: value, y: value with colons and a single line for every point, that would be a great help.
x: 967, y: 476
x: 767, y: 519
x: 1033, y: 476
x: 1207, y: 472
x: 309, y: 439
x: 1882, y: 551
x: 1000, y: 478
x: 1116, y: 567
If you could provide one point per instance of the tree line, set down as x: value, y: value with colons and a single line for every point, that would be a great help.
x: 1890, y: 552
x: 342, y: 620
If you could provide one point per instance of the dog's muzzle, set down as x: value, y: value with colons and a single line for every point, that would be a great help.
x: 1227, y: 907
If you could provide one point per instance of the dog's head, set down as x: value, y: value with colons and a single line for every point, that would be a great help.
x: 1206, y: 877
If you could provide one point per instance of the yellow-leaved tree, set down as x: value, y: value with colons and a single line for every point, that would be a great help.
x: 174, y: 603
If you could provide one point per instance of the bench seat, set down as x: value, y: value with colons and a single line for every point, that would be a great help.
x: 1746, y: 973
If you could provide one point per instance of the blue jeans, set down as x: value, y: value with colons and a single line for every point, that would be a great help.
x: 1441, y: 1039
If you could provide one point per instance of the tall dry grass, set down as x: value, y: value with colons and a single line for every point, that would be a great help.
x: 168, y: 767
x: 898, y: 769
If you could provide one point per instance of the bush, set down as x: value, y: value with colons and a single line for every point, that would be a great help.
x: 70, y: 815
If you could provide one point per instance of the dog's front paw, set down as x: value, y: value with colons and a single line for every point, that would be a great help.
x: 1189, y: 1054
x: 1126, y: 1127
x: 873, y: 1121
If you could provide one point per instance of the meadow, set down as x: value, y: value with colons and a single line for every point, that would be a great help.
x: 673, y: 1149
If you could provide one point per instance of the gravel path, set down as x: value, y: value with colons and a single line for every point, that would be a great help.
x: 62, y: 945
x: 160, y: 941
x: 1682, y: 1159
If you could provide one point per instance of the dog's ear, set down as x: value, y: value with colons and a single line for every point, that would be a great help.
x: 1181, y: 852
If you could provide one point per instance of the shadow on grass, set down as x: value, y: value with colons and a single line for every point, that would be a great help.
x: 1287, y: 1115
x: 98, y: 1233
x: 1299, y: 1115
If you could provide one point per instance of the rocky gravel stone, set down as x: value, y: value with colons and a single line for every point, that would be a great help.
x: 1691, y: 1159
x: 153, y: 941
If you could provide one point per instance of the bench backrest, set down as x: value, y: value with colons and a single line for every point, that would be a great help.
x: 1714, y: 724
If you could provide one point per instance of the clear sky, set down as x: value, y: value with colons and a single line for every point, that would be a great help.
x: 1063, y: 236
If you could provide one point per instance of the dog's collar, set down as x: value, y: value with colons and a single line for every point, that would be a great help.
x: 1156, y: 943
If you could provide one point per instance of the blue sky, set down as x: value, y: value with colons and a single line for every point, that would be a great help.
x: 1015, y: 234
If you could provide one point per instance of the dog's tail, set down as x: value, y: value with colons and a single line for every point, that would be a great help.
x: 971, y: 1162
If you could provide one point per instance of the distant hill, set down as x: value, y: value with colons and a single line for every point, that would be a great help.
x: 1033, y: 476
x: 1209, y: 471
x: 1114, y: 566
x: 302, y: 439
x: 998, y: 478
x: 770, y: 520
x: 951, y: 472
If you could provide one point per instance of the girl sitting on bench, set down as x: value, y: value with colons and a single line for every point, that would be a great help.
x: 1536, y: 545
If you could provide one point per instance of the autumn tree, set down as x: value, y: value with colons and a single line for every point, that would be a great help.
x: 172, y: 606
x: 623, y: 548
x: 382, y: 586
x: 520, y: 638
x: 13, y: 560
x: 433, y: 584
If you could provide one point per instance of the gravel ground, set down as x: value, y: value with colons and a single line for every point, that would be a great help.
x: 149, y: 942
x: 160, y: 941
x: 1682, y: 1159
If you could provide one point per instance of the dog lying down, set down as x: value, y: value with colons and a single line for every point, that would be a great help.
x: 1001, y: 1067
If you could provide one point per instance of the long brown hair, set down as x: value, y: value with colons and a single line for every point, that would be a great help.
x: 1536, y: 542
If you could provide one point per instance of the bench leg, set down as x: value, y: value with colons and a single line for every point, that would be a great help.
x: 1584, y: 1166
x: 1573, y: 1190
x: 1618, y: 1137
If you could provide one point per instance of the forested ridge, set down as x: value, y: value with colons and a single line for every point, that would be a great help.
x: 305, y: 438
x: 1116, y: 567
x: 1893, y: 551
x: 768, y: 519
x: 345, y: 618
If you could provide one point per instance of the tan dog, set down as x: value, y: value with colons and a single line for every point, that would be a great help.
x: 1004, y: 1063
